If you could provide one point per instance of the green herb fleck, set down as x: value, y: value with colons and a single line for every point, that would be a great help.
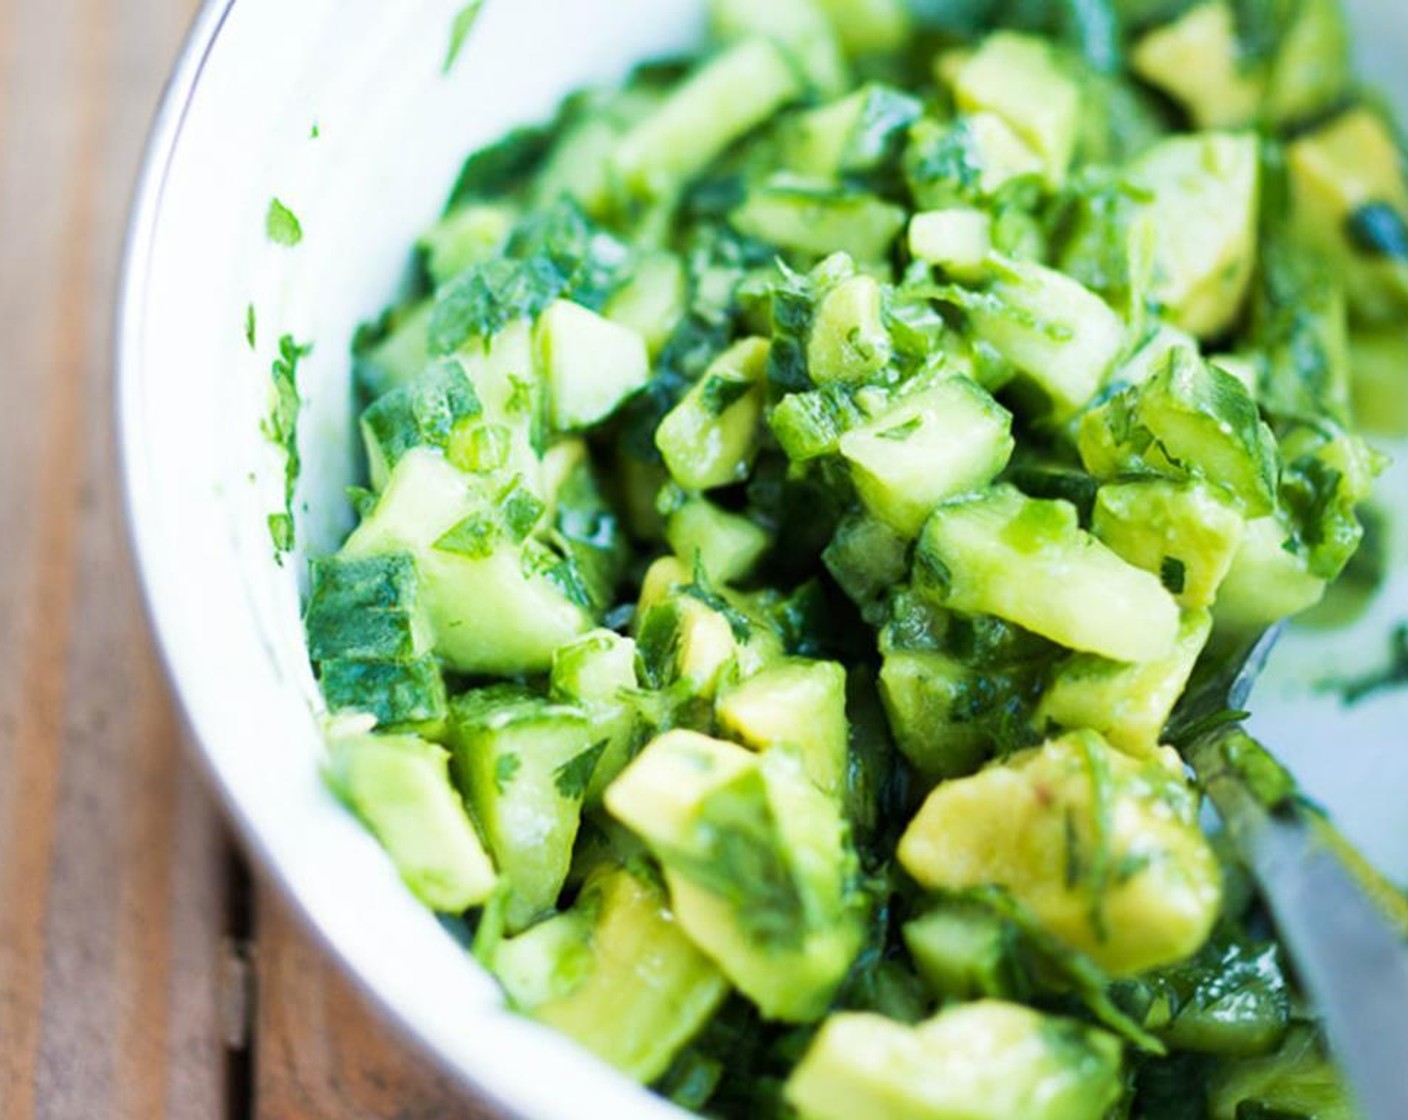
x: 505, y: 767
x: 282, y: 225
x: 1394, y: 674
x: 460, y: 28
x: 1174, y: 574
x: 314, y: 132
x: 251, y: 327
x: 281, y: 427
x: 572, y: 777
x: 901, y: 432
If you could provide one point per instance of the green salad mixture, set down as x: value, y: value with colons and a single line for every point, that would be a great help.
x: 800, y: 486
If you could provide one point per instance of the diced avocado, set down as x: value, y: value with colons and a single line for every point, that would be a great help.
x: 1189, y: 420
x: 434, y: 409
x: 1028, y: 561
x: 866, y: 558
x: 1268, y: 580
x: 1299, y: 1081
x: 695, y: 636
x: 869, y: 26
x: 758, y: 863
x: 616, y: 974
x: 978, y: 1061
x: 1379, y: 359
x: 1311, y: 71
x: 853, y: 137
x: 1104, y: 849
x: 947, y: 440
x: 799, y: 27
x: 401, y: 355
x: 957, y: 240
x: 464, y: 237
x: 1183, y: 532
x: 590, y: 364
x: 727, y: 545
x: 1197, y: 60
x: 710, y: 438
x: 965, y: 161
x: 653, y: 301
x: 594, y: 673
x: 1057, y: 332
x: 1018, y: 78
x: 796, y: 703
x: 526, y: 764
x: 849, y: 342
x: 1127, y: 703
x: 728, y: 96
x: 818, y: 218
x: 962, y: 951
x: 491, y: 602
x: 1349, y: 198
x: 399, y: 785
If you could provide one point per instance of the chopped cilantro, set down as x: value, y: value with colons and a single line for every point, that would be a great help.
x: 505, y: 767
x: 1393, y: 674
x: 460, y: 28
x: 1174, y: 574
x: 282, y: 225
x: 281, y: 427
x: 572, y: 777
x: 250, y: 327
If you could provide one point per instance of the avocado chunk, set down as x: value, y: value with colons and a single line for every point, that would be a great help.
x: 616, y: 974
x: 979, y: 1061
x: 726, y: 545
x: 759, y: 865
x: 399, y: 786
x: 710, y: 438
x: 1197, y: 60
x: 1104, y: 849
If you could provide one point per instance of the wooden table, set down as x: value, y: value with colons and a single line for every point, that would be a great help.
x: 141, y: 974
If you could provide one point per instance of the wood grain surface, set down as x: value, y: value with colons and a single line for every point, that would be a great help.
x: 140, y: 975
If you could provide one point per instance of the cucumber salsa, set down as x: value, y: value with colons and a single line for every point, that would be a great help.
x: 800, y: 486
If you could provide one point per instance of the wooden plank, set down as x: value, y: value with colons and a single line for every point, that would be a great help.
x: 321, y: 1051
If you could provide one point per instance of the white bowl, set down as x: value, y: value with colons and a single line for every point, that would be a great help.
x: 237, y: 128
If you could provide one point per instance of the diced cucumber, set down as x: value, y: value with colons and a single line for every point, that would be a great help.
x: 526, y: 764
x: 579, y: 165
x: 758, y: 862
x: 963, y: 952
x: 799, y: 27
x: 965, y: 161
x: 977, y: 1061
x: 849, y: 342
x: 1268, y: 580
x: 866, y: 558
x: 594, y: 673
x: 435, y: 409
x: 948, y: 440
x: 817, y: 218
x: 1127, y: 704
x: 590, y: 364
x: 1182, y: 532
x: 1029, y: 562
x: 726, y: 545
x: 653, y: 301
x: 616, y: 974
x: 869, y: 26
x: 1018, y: 78
x: 399, y: 785
x: 465, y: 237
x: 710, y: 438
x: 1311, y: 72
x: 810, y: 425
x: 1105, y: 850
x: 1198, y: 61
x: 401, y: 355
x: 1205, y: 198
x: 365, y: 609
x: 405, y: 693
x: 1057, y: 332
x: 505, y: 378
x: 854, y: 136
x: 1299, y: 1081
x: 797, y: 703
x: 956, y: 240
x: 728, y: 96
x: 1152, y: 356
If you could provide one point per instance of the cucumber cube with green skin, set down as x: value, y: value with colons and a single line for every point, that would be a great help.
x: 434, y: 409
x: 1204, y: 205
x: 615, y: 973
x: 730, y: 95
x: 401, y: 693
x: 710, y: 438
x: 799, y: 27
x: 526, y: 764
x: 966, y: 161
x: 1183, y: 532
x: 866, y: 558
x: 464, y: 237
x: 726, y: 545
x: 1268, y: 580
x: 978, y: 1061
x: 817, y: 219
x: 1057, y: 332
x: 1103, y: 849
x: 589, y: 364
x: 854, y: 136
x: 957, y: 240
x: 594, y: 673
x: 1029, y: 562
x: 1127, y: 703
x: 810, y: 425
x: 1019, y: 78
x: 849, y: 342
x: 491, y: 611
x: 1190, y: 420
x: 653, y: 301
x: 365, y: 609
x: 796, y: 703
x: 758, y: 861
x: 947, y: 440
x: 963, y: 952
x: 399, y: 786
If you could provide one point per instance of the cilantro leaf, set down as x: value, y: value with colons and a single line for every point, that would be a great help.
x: 460, y: 28
x: 282, y: 225
x: 572, y: 777
x: 281, y: 428
x: 250, y: 327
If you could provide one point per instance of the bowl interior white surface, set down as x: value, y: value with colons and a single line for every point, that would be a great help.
x: 237, y: 130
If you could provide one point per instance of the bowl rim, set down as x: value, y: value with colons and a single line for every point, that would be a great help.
x: 145, y: 205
